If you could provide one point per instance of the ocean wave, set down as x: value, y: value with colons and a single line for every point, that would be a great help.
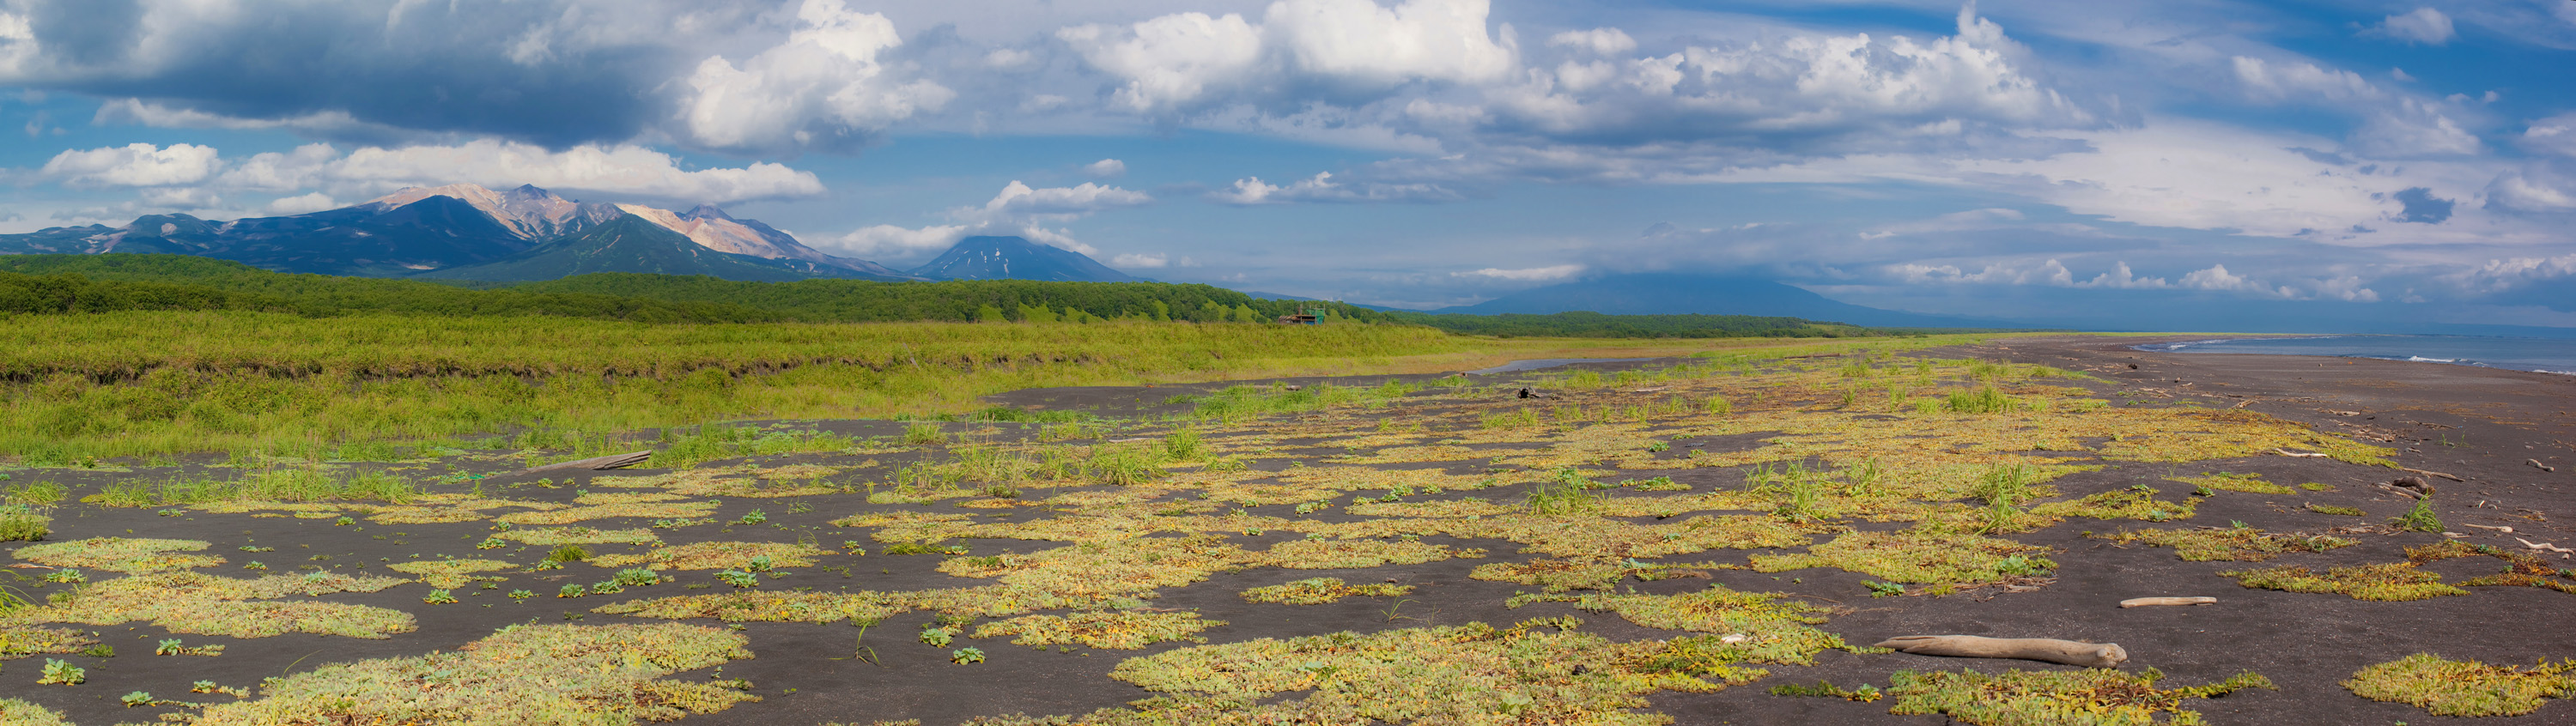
x: 2422, y: 359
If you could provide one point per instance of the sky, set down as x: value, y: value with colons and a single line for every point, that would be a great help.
x: 2412, y: 158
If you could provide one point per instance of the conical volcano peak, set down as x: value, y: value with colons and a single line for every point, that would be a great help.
x: 706, y: 211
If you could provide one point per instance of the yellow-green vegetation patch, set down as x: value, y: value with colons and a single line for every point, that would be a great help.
x: 767, y: 606
x: 2095, y: 697
x: 2233, y: 544
x: 1114, y: 630
x: 599, y: 498
x: 2391, y: 581
x: 1317, y: 554
x: 1468, y: 507
x: 1918, y: 557
x: 2337, y: 511
x: 1750, y: 626
x: 638, y: 510
x: 1473, y: 675
x: 21, y: 713
x: 554, y: 536
x: 445, y: 574
x: 196, y: 603
x: 1582, y: 536
x: 528, y: 674
x: 1128, y: 567
x: 1320, y: 590
x: 20, y: 641
x: 2246, y: 482
x: 2457, y: 688
x: 121, y: 554
x: 1588, y: 573
x: 717, y: 556
x: 448, y: 512
x: 2135, y: 502
x: 2522, y: 569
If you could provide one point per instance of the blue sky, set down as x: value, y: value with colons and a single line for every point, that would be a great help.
x: 1974, y: 159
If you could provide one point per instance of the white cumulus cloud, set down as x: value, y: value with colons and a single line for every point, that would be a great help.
x: 1018, y: 201
x: 2425, y: 25
x: 1176, y: 61
x: 1602, y: 41
x: 618, y: 170
x: 823, y: 86
x: 1105, y: 168
x: 1527, y: 274
x: 886, y: 240
x: 133, y: 165
x: 1321, y: 188
x: 1148, y: 261
x: 301, y: 203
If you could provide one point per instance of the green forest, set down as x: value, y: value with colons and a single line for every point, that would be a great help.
x: 64, y: 284
x: 114, y: 282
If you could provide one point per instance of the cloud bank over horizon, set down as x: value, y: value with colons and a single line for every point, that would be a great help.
x: 1944, y: 156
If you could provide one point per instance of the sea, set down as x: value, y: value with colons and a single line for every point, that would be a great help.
x: 2521, y: 354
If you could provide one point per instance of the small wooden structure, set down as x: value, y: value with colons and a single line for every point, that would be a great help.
x: 1308, y: 316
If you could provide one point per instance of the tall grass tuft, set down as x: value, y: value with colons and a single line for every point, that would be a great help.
x: 21, y: 523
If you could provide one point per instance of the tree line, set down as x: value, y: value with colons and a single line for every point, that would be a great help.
x: 63, y: 284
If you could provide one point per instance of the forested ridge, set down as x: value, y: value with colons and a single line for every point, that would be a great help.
x: 44, y: 284
x: 67, y: 284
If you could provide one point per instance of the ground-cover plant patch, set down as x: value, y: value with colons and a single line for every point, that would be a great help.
x: 2135, y: 502
x: 2245, y: 482
x: 2464, y: 688
x: 121, y: 554
x: 195, y: 603
x: 20, y: 641
x: 1752, y: 627
x: 1918, y: 557
x: 2094, y: 697
x: 2230, y: 544
x: 1321, y: 590
x: 22, y: 713
x: 2522, y: 569
x: 2391, y: 581
x: 534, y: 674
x: 446, y: 574
x: 1112, y: 629
x: 717, y: 556
x: 1471, y: 674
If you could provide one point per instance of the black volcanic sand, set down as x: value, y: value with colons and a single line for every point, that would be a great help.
x: 2478, y: 424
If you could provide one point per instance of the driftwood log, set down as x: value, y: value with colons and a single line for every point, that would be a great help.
x: 2141, y: 602
x: 2089, y: 655
x: 612, y: 461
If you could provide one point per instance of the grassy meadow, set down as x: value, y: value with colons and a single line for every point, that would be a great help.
x: 159, y: 383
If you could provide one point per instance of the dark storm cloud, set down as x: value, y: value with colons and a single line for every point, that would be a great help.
x: 88, y: 31
x: 503, y: 69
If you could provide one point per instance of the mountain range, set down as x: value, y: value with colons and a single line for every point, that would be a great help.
x: 468, y: 232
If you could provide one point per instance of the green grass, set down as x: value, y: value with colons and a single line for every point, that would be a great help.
x: 20, y: 523
x: 291, y: 484
x: 143, y: 383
